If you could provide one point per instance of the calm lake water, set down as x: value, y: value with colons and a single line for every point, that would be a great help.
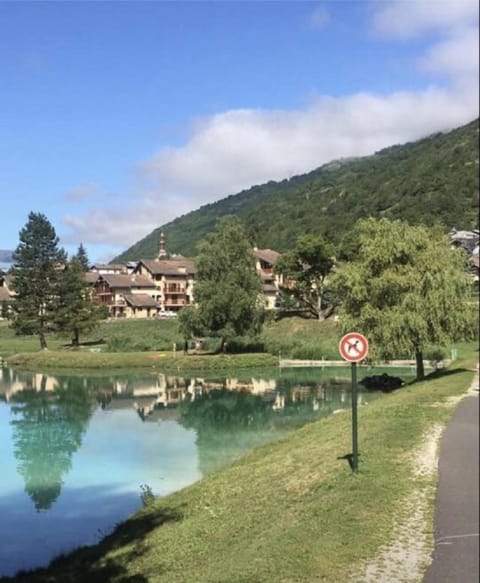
x: 77, y: 451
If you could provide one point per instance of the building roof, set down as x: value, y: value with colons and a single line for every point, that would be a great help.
x: 169, y: 266
x: 109, y: 267
x: 267, y: 255
x: 140, y: 301
x: 123, y: 280
x: 91, y: 276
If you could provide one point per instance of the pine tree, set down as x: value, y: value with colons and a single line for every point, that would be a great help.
x: 82, y: 257
x: 37, y: 266
x: 76, y: 312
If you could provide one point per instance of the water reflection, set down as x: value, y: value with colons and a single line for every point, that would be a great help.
x: 49, y: 420
x: 75, y: 449
x: 50, y: 414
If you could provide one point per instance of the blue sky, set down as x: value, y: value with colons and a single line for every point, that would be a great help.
x: 116, y: 117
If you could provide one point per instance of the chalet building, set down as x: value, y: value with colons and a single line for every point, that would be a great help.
x: 466, y: 240
x: 150, y: 287
x: 6, y: 294
x: 127, y: 296
x: 265, y: 260
x: 173, y: 278
x: 109, y: 269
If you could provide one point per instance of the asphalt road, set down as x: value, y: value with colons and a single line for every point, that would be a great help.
x: 456, y: 552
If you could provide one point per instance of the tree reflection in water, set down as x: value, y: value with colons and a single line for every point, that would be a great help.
x: 47, y: 430
x: 230, y: 423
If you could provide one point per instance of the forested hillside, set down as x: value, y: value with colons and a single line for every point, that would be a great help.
x: 431, y: 181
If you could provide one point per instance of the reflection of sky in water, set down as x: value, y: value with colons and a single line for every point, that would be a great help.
x: 90, y: 488
x: 118, y: 454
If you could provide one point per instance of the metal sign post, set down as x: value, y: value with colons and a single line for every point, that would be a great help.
x: 353, y: 348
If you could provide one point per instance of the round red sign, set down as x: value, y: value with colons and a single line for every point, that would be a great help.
x: 353, y: 347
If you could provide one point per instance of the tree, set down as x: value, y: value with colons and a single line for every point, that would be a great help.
x: 76, y: 312
x: 82, y: 257
x: 307, y: 266
x: 227, y: 287
x: 36, y: 269
x: 405, y: 289
x: 47, y: 429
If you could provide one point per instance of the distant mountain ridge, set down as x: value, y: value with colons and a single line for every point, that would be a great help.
x: 431, y: 181
x: 6, y: 256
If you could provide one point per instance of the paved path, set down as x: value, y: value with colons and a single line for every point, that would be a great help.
x: 456, y: 553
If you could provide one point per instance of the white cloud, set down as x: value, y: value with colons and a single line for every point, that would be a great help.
x: 236, y: 149
x: 402, y: 19
x: 456, y: 56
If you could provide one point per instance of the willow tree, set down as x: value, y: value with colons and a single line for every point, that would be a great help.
x: 405, y: 289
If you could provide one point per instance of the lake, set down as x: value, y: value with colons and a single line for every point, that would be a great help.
x: 80, y: 452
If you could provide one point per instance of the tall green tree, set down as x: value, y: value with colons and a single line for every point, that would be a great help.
x: 37, y: 267
x: 47, y: 429
x: 307, y: 267
x: 82, y: 257
x: 76, y: 311
x: 227, y: 287
x: 405, y: 289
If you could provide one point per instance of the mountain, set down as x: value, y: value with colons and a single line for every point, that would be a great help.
x: 430, y: 181
x: 5, y: 256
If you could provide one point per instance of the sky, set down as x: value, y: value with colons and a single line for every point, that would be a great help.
x: 119, y: 116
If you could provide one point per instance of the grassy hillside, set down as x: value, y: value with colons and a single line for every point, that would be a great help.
x: 431, y: 181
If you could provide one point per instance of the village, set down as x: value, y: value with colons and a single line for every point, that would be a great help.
x: 160, y: 287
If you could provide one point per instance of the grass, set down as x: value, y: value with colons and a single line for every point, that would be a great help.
x: 150, y: 344
x: 54, y: 359
x: 290, y: 511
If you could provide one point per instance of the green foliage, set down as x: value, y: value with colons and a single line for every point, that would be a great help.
x: 308, y: 266
x: 36, y: 272
x: 76, y: 312
x: 82, y: 258
x: 227, y: 286
x: 406, y: 288
x: 431, y: 181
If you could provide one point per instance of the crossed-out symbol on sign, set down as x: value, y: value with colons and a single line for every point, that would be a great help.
x: 353, y: 347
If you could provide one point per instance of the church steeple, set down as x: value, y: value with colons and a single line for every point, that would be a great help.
x: 162, y: 251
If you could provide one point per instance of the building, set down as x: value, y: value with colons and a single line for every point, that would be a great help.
x: 127, y: 296
x: 173, y: 278
x: 164, y: 285
x: 265, y: 260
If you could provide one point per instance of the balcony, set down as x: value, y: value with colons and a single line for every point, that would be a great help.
x: 174, y: 289
x: 175, y: 301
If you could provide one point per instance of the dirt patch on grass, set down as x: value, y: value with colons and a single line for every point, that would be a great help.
x: 405, y: 559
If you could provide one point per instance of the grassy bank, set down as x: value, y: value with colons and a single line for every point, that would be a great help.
x: 61, y: 359
x: 150, y: 343
x: 289, y: 511
x: 147, y: 343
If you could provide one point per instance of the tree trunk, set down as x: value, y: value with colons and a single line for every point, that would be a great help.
x: 419, y: 364
x: 223, y: 345
x: 76, y: 337
x: 43, y: 340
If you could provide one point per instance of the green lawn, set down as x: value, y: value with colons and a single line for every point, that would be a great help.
x: 290, y: 511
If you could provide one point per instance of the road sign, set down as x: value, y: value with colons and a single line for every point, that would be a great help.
x: 353, y: 347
